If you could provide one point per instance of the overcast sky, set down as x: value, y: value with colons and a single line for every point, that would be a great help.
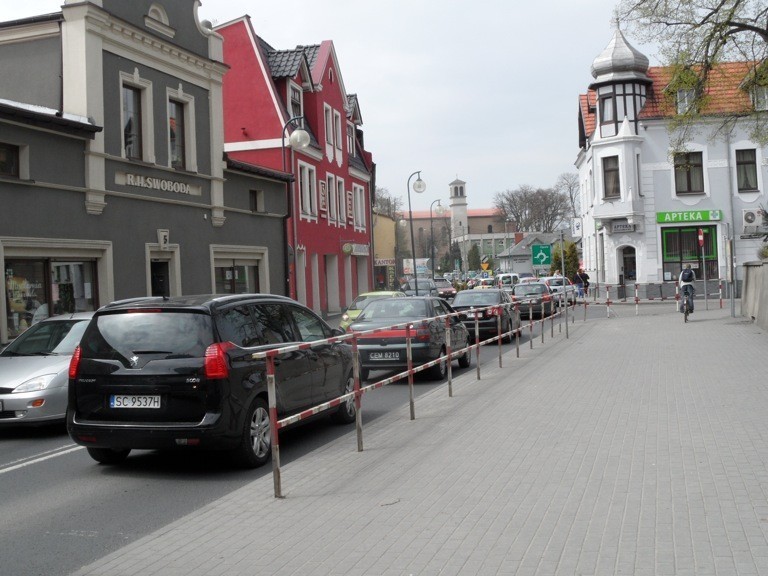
x: 485, y: 90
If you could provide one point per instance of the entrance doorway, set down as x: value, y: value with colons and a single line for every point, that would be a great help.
x: 628, y: 265
x: 160, y: 278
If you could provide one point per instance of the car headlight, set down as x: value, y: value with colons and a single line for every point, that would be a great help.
x: 345, y: 317
x: 34, y: 384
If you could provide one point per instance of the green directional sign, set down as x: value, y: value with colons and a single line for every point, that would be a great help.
x: 541, y: 254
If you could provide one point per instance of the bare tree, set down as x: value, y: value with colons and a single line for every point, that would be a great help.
x: 533, y: 210
x: 387, y: 204
x: 694, y: 36
x: 568, y: 184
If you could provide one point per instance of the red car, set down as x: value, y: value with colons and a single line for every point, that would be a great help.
x: 444, y: 288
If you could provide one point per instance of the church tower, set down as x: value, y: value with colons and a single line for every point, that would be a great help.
x: 458, y: 204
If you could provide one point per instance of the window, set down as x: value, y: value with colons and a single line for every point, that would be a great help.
x: 297, y: 108
x: 9, y: 160
x: 359, y: 198
x: 611, y: 179
x: 746, y: 170
x: 337, y: 129
x: 177, y: 134
x: 307, y: 183
x: 342, y: 201
x: 351, y: 140
x: 257, y: 201
x: 685, y: 99
x: 272, y: 324
x: 331, y: 187
x: 328, y: 125
x: 606, y: 109
x: 310, y: 326
x: 689, y: 173
x: 132, y: 133
x: 760, y: 98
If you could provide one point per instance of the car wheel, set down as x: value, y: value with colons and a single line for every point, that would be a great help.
x: 109, y: 455
x: 347, y: 410
x: 466, y: 359
x: 255, y: 447
x: 439, y: 370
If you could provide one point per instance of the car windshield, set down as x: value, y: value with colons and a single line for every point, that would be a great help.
x: 442, y: 282
x: 475, y: 298
x: 529, y: 289
x: 395, y: 308
x: 53, y: 337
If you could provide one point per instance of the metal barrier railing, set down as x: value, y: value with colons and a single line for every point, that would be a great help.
x: 276, y: 424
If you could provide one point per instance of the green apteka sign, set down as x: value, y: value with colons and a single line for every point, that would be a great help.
x: 689, y: 216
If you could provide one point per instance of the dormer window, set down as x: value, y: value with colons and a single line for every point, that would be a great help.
x: 760, y: 98
x: 296, y: 101
x: 685, y: 100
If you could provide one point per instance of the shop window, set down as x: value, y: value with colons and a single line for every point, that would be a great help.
x: 689, y: 173
x: 611, y: 180
x: 37, y: 289
x: 746, y: 170
x: 9, y: 160
x: 680, y: 246
x: 237, y: 279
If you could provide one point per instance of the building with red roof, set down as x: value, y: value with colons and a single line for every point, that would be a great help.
x: 645, y: 199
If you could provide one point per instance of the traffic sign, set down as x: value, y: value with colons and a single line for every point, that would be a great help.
x: 541, y: 254
x: 701, y: 237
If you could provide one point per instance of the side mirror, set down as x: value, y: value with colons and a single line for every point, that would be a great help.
x: 337, y: 332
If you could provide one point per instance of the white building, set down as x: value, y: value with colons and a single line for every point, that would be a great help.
x: 644, y: 205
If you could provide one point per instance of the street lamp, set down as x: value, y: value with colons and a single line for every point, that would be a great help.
x: 419, y: 186
x: 509, y: 254
x: 440, y: 210
x: 298, y: 140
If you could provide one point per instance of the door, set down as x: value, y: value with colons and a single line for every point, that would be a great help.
x: 293, y: 373
x: 326, y: 361
x: 160, y: 278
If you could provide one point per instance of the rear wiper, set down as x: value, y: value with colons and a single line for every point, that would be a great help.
x: 152, y: 352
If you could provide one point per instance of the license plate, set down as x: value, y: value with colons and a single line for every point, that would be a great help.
x: 384, y: 356
x: 133, y: 401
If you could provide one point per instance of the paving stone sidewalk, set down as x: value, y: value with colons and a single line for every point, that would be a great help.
x: 639, y: 445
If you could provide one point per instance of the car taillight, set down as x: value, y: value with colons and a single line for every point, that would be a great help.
x: 216, y: 366
x: 422, y: 332
x: 74, y: 363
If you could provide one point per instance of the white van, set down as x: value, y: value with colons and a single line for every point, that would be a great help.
x: 507, y: 280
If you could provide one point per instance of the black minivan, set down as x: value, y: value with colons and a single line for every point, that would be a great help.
x: 162, y: 373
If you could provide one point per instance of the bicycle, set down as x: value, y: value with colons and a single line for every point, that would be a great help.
x: 687, y: 301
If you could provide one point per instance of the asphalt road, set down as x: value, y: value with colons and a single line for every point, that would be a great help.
x: 62, y: 510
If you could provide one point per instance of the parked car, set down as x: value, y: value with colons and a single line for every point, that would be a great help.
x: 496, y: 302
x: 425, y: 286
x: 486, y: 283
x: 353, y: 311
x: 562, y: 288
x: 444, y: 288
x: 507, y: 280
x: 533, y: 298
x: 34, y: 370
x: 386, y: 350
x: 162, y: 373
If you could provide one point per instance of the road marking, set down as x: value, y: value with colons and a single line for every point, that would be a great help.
x: 39, y: 458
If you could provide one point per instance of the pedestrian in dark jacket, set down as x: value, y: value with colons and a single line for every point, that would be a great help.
x: 581, y: 279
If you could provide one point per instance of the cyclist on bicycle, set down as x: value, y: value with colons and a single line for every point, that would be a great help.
x: 686, y: 280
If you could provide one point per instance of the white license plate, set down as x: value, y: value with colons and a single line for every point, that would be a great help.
x: 384, y: 356
x: 133, y: 401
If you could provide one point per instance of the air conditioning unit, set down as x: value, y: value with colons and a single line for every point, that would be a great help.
x: 751, y: 219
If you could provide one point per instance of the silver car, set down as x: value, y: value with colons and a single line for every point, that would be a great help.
x: 34, y: 370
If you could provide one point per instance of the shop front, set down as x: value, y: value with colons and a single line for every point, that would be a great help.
x: 689, y: 238
x: 38, y: 288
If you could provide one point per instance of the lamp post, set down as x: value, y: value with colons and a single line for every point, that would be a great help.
x: 419, y: 186
x: 509, y: 254
x: 439, y: 211
x: 298, y: 140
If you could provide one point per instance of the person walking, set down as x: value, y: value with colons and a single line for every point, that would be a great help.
x: 581, y: 279
x: 686, y: 283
